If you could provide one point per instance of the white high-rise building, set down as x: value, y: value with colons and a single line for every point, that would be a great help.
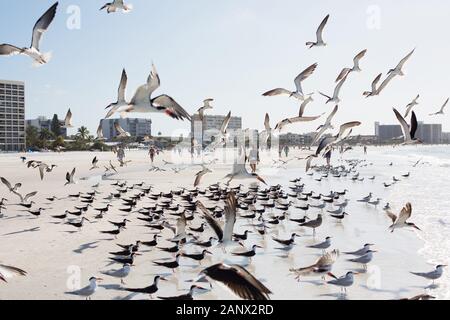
x: 12, y: 116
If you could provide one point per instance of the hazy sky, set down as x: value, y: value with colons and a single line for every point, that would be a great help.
x: 233, y: 51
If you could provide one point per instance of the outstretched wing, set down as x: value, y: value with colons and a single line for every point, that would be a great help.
x: 211, y: 221
x: 230, y: 216
x: 122, y: 87
x: 319, y: 32
x: 42, y: 25
x: 277, y: 92
x: 6, y: 183
x: 29, y: 195
x: 404, y: 125
x: 304, y: 75
x: 171, y: 107
x: 8, y: 49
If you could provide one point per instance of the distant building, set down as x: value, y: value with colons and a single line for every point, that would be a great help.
x: 428, y: 133
x: 138, y: 128
x: 293, y: 139
x: 211, y: 124
x: 446, y: 137
x: 12, y: 116
x: 43, y: 122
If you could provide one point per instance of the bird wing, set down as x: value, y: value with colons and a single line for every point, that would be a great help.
x: 303, y: 106
x: 347, y: 126
x: 240, y: 282
x: 338, y: 88
x: 100, y: 131
x: 72, y: 173
x: 414, y: 125
x: 404, y: 125
x: 391, y: 215
x: 405, y: 214
x: 324, y: 143
x: 358, y: 57
x: 304, y: 75
x: 6, y: 183
x: 10, y: 271
x: 344, y: 73
x: 267, y: 123
x: 276, y: 92
x: 8, y: 49
x: 29, y: 195
x: 403, y: 61
x: 445, y: 104
x: 41, y: 171
x: 230, y: 216
x: 385, y: 82
x: 41, y: 26
x: 119, y: 128
x: 319, y: 32
x: 332, y: 114
x: 94, y: 161
x: 225, y: 123
x: 181, y: 225
x: 375, y: 82
x: 122, y: 87
x: 207, y: 103
x: 211, y: 221
x: 68, y: 119
x: 171, y: 107
x: 141, y: 96
x: 153, y: 80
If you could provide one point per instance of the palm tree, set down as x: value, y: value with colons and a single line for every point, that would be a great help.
x: 83, y: 133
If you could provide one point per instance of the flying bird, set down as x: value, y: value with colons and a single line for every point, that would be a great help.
x: 327, y: 125
x: 116, y: 5
x: 441, y: 112
x: 402, y: 220
x: 94, y: 164
x: 335, y: 98
x: 241, y: 282
x: 398, y: 69
x: 206, y: 106
x: 68, y: 120
x: 298, y: 93
x: 7, y: 272
x: 9, y: 186
x: 199, y: 175
x: 409, y: 132
x: 374, y: 91
x: 33, y: 51
x: 142, y: 101
x: 411, y: 105
x: 121, y: 133
x: 289, y: 121
x: 319, y: 35
x: 69, y: 177
x: 356, y: 68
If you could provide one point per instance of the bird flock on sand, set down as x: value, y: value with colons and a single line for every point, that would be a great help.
x: 200, y: 223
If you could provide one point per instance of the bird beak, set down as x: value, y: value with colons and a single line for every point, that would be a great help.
x: 99, y: 279
x: 208, y: 252
x: 259, y: 247
x: 163, y: 279
x: 87, y: 219
x: 416, y: 227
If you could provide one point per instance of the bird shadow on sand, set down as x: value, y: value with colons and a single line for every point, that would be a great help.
x: 429, y: 287
x: 23, y: 231
x: 111, y: 286
x: 86, y: 246
x: 395, y: 292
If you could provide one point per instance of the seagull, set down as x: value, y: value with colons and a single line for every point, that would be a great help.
x: 267, y: 129
x: 362, y: 251
x: 398, y: 69
x: 87, y: 291
x: 45, y: 168
x: 224, y: 235
x: 409, y: 132
x: 441, y: 112
x: 323, y: 265
x: 401, y: 221
x: 33, y: 51
x: 280, y: 126
x: 240, y: 172
x: 319, y: 35
x: 68, y: 120
x: 222, y: 136
x: 298, y: 93
x: 23, y: 200
x: 323, y: 245
x: 374, y: 91
x: 9, y: 186
x: 147, y: 290
x: 356, y: 68
x: 237, y: 279
x: 433, y: 275
x: 337, y: 89
x: 199, y: 175
x: 142, y: 101
x: 411, y: 105
x: 364, y: 259
x: 327, y: 125
x: 206, y: 105
x: 116, y: 5
x: 119, y: 273
x: 327, y: 142
x: 121, y: 133
x: 7, y: 272
x: 343, y: 282
x: 305, y: 102
x: 69, y: 177
x: 94, y: 164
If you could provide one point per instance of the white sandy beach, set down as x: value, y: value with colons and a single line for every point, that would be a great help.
x: 50, y: 258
